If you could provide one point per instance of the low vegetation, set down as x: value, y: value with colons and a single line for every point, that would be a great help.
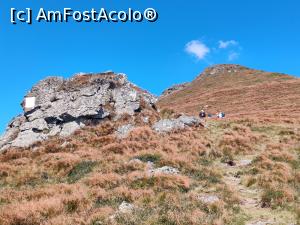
x: 84, y: 178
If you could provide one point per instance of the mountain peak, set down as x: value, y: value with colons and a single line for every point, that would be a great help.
x: 223, y: 69
x: 236, y: 90
x: 218, y: 68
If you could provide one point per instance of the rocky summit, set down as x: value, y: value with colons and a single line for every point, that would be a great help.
x: 58, y: 106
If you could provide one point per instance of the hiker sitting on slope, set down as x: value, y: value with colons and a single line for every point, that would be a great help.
x: 202, y: 114
x: 220, y: 115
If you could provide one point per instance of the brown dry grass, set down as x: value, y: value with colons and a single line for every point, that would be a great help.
x: 83, y: 179
x: 244, y: 93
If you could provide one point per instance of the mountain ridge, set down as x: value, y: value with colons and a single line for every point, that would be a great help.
x: 223, y: 85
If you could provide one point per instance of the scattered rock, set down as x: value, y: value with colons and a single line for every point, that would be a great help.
x: 150, y: 166
x: 65, y: 144
x: 126, y: 207
x: 167, y: 125
x: 124, y: 130
x: 245, y: 162
x: 209, y: 199
x: 145, y: 119
x: 57, y: 106
x: 221, y: 69
x: 164, y: 170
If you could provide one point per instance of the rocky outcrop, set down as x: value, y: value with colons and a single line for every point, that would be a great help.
x: 210, y: 71
x: 174, y: 88
x: 57, y: 106
x: 222, y: 69
x: 167, y: 125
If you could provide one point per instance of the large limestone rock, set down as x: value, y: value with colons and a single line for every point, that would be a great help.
x: 167, y: 125
x: 57, y: 106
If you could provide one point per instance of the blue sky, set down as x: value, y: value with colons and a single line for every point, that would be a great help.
x: 188, y: 36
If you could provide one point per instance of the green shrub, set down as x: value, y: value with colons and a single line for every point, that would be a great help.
x: 272, y: 198
x: 149, y: 157
x: 80, y: 170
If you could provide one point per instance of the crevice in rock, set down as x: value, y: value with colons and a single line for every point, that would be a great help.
x: 138, y: 110
x: 35, y: 130
x: 112, y: 85
x: 26, y: 114
x: 53, y: 121
x: 66, y: 118
x: 54, y: 98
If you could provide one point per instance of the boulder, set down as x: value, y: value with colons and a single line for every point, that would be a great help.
x: 167, y: 125
x: 125, y: 207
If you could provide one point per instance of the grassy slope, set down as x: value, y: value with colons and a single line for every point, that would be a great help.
x: 85, y: 181
x: 246, y: 92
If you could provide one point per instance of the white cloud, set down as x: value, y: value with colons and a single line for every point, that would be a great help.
x: 226, y: 44
x: 197, y: 48
x: 233, y: 56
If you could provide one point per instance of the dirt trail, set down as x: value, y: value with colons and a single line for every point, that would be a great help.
x: 250, y: 197
x: 251, y: 211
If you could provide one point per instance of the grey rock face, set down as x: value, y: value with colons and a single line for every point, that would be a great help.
x: 70, y: 128
x: 57, y: 106
x: 167, y: 125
